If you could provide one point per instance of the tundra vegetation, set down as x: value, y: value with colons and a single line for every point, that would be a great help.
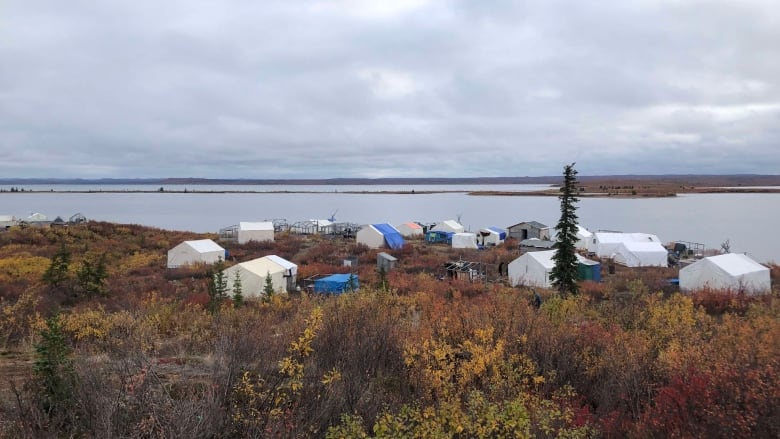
x: 99, y: 339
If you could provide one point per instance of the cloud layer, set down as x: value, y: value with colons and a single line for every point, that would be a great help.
x: 372, y: 88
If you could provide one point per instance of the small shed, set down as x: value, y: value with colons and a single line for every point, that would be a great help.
x: 464, y: 240
x: 449, y: 226
x: 410, y: 229
x: 589, y: 270
x: 731, y: 271
x: 253, y: 273
x: 255, y: 231
x: 201, y: 251
x: 380, y: 235
x: 492, y: 236
x: 336, y: 284
x: 385, y: 262
x: 529, y: 229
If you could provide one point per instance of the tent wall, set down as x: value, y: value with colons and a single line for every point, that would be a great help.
x: 370, y: 236
x: 528, y: 270
x: 726, y: 272
x: 186, y: 254
x: 464, y: 240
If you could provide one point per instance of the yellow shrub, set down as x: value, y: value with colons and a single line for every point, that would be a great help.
x: 22, y: 267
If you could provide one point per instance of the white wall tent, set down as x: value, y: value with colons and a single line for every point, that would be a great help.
x: 533, y: 269
x: 604, y: 244
x: 254, y: 272
x: 464, y: 240
x: 410, y: 229
x: 492, y: 235
x: 203, y: 251
x: 641, y: 254
x: 255, y: 231
x: 583, y: 238
x: 7, y: 221
x: 732, y: 271
x: 449, y: 226
x: 379, y: 235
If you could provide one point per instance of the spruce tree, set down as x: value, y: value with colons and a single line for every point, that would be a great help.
x: 217, y: 286
x: 268, y: 289
x: 57, y: 272
x: 564, y: 274
x: 53, y: 369
x: 238, y: 293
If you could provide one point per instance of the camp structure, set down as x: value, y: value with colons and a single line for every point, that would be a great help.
x: 410, y: 229
x: 604, y: 244
x: 37, y: 220
x: 583, y: 238
x: 313, y: 227
x: 535, y: 245
x: 641, y: 254
x: 464, y: 240
x: 253, y: 275
x: 7, y: 221
x: 731, y: 271
x: 533, y: 269
x: 255, y: 231
x: 334, y: 284
x: 202, y: 251
x: 449, y: 226
x: 380, y: 235
x: 529, y: 229
x: 438, y: 236
x: 492, y: 236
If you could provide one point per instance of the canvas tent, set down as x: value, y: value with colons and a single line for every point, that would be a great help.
x: 464, y: 240
x: 203, y: 251
x: 492, y: 235
x: 410, y: 229
x: 732, y: 271
x: 604, y: 244
x: 583, y: 238
x: 7, y: 221
x: 380, y: 235
x: 533, y: 269
x: 336, y: 284
x: 641, y: 254
x: 255, y: 231
x: 449, y: 226
x: 253, y: 273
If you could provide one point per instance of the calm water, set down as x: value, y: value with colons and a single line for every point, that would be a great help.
x: 747, y: 220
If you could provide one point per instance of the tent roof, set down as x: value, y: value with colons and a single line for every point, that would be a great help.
x: 635, y: 246
x: 617, y: 237
x: 498, y: 230
x: 413, y: 226
x: 284, y: 263
x: 392, y: 236
x: 261, y: 225
x: 545, y: 258
x: 261, y: 266
x: 205, y: 246
x: 535, y: 224
x: 582, y: 231
x: 736, y: 263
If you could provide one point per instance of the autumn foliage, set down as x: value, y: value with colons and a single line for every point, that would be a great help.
x: 424, y: 356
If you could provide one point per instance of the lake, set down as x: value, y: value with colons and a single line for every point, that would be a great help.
x: 746, y: 220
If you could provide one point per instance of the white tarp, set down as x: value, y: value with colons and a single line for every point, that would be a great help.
x: 533, y: 268
x: 254, y: 272
x: 449, y: 226
x: 491, y: 236
x: 583, y: 238
x: 204, y: 251
x: 255, y: 231
x: 641, y: 254
x: 464, y: 240
x: 732, y: 271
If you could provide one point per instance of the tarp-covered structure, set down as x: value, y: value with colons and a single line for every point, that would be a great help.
x: 533, y: 269
x: 583, y: 238
x: 438, y: 236
x: 336, y: 284
x: 731, y: 271
x: 410, y: 229
x: 492, y: 235
x: 464, y: 240
x: 641, y: 254
x: 255, y: 231
x: 253, y: 273
x: 201, y: 251
x: 380, y: 235
x: 449, y: 226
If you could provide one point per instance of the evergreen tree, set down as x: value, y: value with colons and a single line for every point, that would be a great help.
x: 53, y: 369
x: 238, y: 293
x: 92, y: 277
x: 268, y: 289
x: 564, y: 274
x: 352, y: 282
x: 57, y: 272
x: 217, y: 286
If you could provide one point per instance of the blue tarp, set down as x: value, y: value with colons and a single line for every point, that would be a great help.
x: 435, y: 236
x: 501, y: 232
x: 336, y: 284
x: 393, y: 239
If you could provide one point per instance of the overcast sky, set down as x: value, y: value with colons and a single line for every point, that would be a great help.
x: 387, y: 88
